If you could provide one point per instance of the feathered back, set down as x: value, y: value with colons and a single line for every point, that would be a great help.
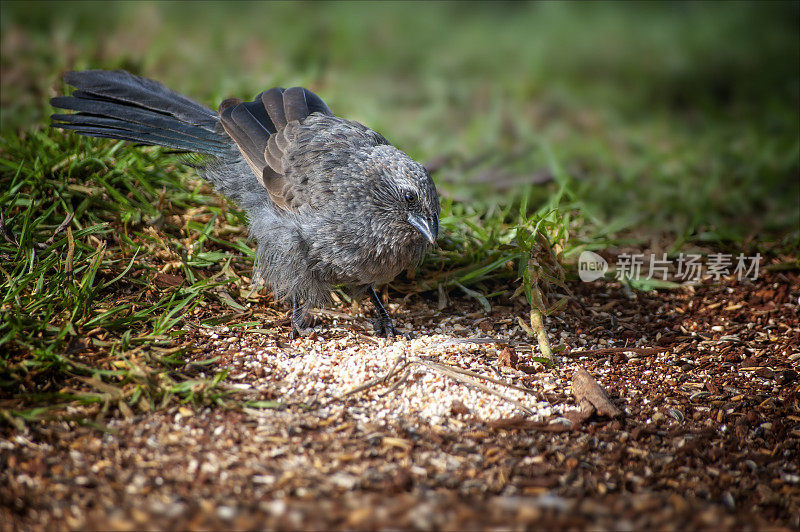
x: 259, y: 128
x: 255, y: 125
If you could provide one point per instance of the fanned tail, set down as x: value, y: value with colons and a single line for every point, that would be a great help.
x: 119, y: 105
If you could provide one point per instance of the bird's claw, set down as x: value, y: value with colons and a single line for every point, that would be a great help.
x: 385, y: 328
x: 298, y: 331
x: 299, y: 321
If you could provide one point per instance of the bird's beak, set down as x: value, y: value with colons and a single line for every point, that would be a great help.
x: 422, y: 225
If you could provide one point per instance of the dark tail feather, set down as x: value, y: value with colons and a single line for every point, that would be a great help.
x: 119, y: 105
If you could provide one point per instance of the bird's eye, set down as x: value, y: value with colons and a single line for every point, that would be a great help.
x: 409, y: 196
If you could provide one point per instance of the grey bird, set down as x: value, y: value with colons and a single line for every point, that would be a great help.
x: 330, y: 202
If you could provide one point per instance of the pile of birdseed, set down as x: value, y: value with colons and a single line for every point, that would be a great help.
x: 315, y: 372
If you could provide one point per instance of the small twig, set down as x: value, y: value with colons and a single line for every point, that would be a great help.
x: 70, y: 251
x: 374, y: 382
x: 369, y: 339
x: 476, y: 340
x: 455, y: 375
x: 333, y: 314
x: 403, y: 378
x: 60, y: 228
x: 463, y: 376
x: 477, y: 376
x: 614, y: 350
x: 4, y: 230
x: 497, y: 371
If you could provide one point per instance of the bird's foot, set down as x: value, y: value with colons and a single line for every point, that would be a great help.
x: 384, y: 327
x: 300, y: 324
x: 382, y: 323
x: 299, y: 330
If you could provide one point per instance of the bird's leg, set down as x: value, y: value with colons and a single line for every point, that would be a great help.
x: 298, y: 320
x: 383, y: 323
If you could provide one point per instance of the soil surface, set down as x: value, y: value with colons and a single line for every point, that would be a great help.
x: 706, y: 379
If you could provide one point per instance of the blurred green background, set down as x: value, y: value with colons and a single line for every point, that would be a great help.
x: 677, y: 119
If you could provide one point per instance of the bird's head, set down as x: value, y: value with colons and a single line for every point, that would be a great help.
x: 406, y: 195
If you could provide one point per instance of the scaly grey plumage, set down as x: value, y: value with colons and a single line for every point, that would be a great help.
x: 330, y: 202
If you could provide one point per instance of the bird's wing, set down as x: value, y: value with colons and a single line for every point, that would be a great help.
x: 293, y: 143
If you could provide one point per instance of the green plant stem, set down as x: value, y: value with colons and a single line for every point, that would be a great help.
x: 537, y: 325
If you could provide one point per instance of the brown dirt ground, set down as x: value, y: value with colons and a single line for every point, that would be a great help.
x: 709, y: 438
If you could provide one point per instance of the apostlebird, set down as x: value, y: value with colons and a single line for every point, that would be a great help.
x: 329, y: 201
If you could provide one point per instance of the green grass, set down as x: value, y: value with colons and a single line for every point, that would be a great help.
x: 675, y: 122
x: 81, y: 302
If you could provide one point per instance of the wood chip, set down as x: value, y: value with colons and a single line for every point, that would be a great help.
x: 588, y: 393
